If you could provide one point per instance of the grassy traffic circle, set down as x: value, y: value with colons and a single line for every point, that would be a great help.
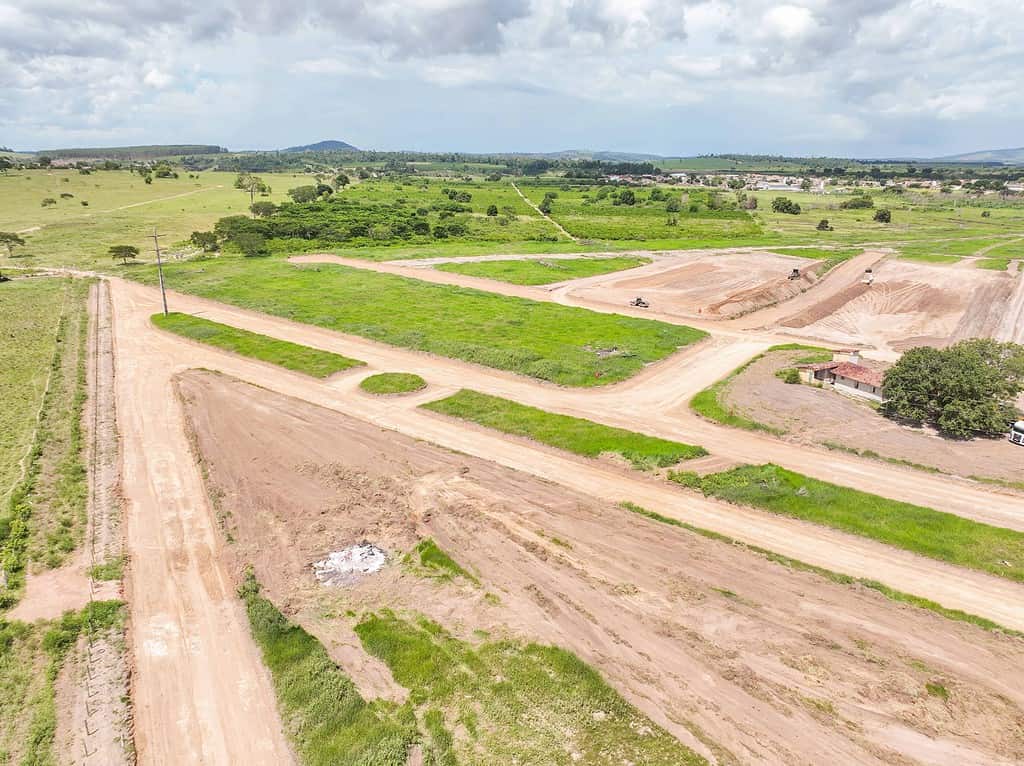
x: 393, y: 383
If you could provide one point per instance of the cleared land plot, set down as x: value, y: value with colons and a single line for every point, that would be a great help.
x: 393, y: 383
x: 909, y: 304
x: 942, y: 536
x: 583, y: 437
x: 544, y: 272
x: 29, y: 312
x: 707, y: 285
x: 561, y: 344
x: 822, y: 416
x: 696, y: 611
x: 292, y: 356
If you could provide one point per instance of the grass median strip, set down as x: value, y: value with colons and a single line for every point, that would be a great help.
x: 583, y: 437
x: 562, y: 344
x: 828, y: 574
x: 938, y: 535
x: 292, y: 356
x: 543, y: 271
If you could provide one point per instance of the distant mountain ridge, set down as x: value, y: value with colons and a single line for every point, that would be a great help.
x: 1005, y: 156
x: 323, y: 146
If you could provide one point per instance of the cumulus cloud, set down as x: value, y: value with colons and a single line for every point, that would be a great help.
x: 853, y: 71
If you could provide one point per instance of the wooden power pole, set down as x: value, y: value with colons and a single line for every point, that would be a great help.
x: 160, y: 268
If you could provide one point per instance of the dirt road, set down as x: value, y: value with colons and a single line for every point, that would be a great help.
x: 730, y: 652
x: 201, y: 692
x: 1012, y: 328
x: 980, y: 594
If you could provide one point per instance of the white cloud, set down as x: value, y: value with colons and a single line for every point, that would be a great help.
x: 790, y: 22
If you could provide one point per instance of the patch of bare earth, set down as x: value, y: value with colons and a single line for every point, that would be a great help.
x: 813, y: 415
x: 739, y: 657
x: 909, y: 304
x: 715, y: 286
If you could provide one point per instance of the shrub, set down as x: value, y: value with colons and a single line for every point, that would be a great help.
x: 785, y: 205
x: 858, y: 202
x: 883, y: 215
x: 824, y: 225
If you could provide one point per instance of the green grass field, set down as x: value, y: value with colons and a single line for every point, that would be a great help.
x: 543, y: 272
x: 515, y: 702
x: 565, y: 345
x: 938, y: 535
x: 292, y: 356
x: 430, y: 559
x: 582, y: 437
x: 29, y: 313
x: 392, y: 383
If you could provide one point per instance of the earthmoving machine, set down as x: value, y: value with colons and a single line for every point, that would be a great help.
x: 639, y: 303
x: 1017, y: 433
x: 869, y: 277
x: 794, y: 274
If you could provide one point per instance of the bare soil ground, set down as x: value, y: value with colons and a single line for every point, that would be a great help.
x: 707, y: 285
x: 741, y: 658
x: 909, y: 304
x: 815, y: 416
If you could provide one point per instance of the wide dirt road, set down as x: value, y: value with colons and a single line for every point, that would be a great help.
x: 997, y: 599
x: 201, y: 692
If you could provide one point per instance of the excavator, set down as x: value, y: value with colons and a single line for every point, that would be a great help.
x: 640, y: 303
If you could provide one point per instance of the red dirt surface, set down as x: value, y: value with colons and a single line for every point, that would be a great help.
x: 741, y: 658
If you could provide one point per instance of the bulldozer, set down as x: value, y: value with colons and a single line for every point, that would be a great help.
x: 794, y: 274
x: 639, y: 303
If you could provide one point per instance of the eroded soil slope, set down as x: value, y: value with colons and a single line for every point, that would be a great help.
x: 741, y: 658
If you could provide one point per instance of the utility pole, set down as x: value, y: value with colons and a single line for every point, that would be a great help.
x: 160, y: 268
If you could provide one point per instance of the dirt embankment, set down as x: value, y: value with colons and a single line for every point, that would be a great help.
x: 744, y: 659
x: 821, y: 416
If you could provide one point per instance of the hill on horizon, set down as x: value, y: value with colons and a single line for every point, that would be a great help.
x: 1006, y: 156
x: 323, y: 146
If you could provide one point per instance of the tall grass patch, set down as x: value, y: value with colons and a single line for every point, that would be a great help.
x: 582, y: 437
x: 516, y: 702
x: 292, y: 356
x: 938, y: 535
x: 327, y: 720
x: 543, y: 271
x: 562, y: 344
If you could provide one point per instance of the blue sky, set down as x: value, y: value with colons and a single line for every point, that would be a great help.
x: 812, y: 77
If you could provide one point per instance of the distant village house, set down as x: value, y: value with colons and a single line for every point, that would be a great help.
x: 845, y: 374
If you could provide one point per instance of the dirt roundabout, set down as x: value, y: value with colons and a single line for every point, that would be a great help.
x: 713, y: 286
x: 741, y: 658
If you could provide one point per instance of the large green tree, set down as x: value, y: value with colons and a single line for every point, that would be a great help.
x: 10, y: 240
x: 965, y: 390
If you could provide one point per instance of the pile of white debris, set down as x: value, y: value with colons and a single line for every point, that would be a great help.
x: 348, y: 565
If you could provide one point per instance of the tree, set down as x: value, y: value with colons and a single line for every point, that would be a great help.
x: 674, y: 205
x: 251, y: 244
x: 263, y: 208
x: 5, y: 164
x: 967, y: 389
x: 824, y: 225
x: 883, y: 215
x: 492, y: 210
x: 545, y: 206
x: 627, y: 197
x: 785, y: 205
x: 303, y: 194
x: 124, y: 253
x: 252, y: 184
x: 857, y: 202
x: 10, y: 240
x: 341, y: 180
x: 206, y: 240
x: 805, y: 184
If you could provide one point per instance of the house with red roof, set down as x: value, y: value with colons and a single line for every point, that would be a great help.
x: 846, y: 375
